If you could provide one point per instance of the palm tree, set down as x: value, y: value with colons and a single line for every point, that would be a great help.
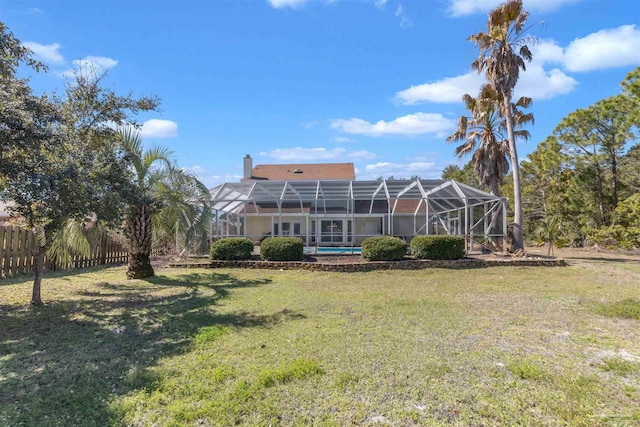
x: 186, y: 211
x: 138, y: 226
x: 484, y: 135
x: 549, y: 230
x: 503, y: 52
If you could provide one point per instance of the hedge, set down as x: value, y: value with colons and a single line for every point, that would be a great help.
x: 231, y: 248
x: 384, y: 248
x: 282, y: 249
x: 437, y: 247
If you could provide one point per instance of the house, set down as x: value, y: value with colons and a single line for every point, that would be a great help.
x: 325, y: 205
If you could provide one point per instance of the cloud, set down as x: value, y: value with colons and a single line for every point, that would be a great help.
x: 90, y: 64
x: 300, y: 154
x: 405, y: 21
x: 447, y: 90
x: 539, y: 84
x: 46, y: 52
x: 380, y: 4
x: 536, y: 82
x: 607, y: 48
x: 157, y: 128
x: 281, y: 4
x: 410, y: 125
x: 341, y: 139
x: 469, y: 7
x: 210, y: 179
x: 423, y: 169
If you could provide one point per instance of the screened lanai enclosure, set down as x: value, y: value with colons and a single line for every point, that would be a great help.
x: 344, y: 213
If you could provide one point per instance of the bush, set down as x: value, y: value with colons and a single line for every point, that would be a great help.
x: 384, y: 248
x: 232, y: 248
x: 282, y: 249
x: 438, y: 247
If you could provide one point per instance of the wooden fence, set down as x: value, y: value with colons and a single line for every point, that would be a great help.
x: 18, y: 246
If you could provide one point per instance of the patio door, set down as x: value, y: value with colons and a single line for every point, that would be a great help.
x: 288, y: 229
x: 335, y: 230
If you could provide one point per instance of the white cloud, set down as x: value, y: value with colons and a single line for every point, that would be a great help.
x: 405, y: 21
x: 158, y: 128
x: 91, y: 64
x: 539, y: 84
x: 99, y: 62
x: 341, y: 139
x: 380, y: 4
x: 536, y: 82
x: 607, y: 48
x: 469, y: 7
x: 300, y: 154
x: 281, y: 4
x: 46, y: 52
x: 409, y: 125
x: 423, y: 169
x: 447, y: 90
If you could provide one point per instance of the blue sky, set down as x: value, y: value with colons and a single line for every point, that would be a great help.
x: 373, y: 82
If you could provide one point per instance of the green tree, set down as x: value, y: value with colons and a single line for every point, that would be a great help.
x: 503, y: 52
x: 186, y: 213
x: 595, y: 138
x: 60, y: 162
x: 465, y: 175
x: 630, y: 171
x: 166, y: 201
x: 484, y: 134
x: 149, y: 166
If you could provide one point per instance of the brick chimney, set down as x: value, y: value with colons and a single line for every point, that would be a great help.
x: 248, y: 166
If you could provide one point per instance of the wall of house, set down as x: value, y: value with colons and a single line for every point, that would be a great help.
x: 257, y: 226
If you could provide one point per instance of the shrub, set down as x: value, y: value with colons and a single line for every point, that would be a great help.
x: 384, y: 248
x: 232, y: 248
x: 437, y: 247
x: 282, y: 249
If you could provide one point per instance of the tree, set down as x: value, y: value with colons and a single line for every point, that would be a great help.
x: 503, y: 52
x: 595, y: 139
x: 166, y: 199
x: 138, y: 227
x: 186, y: 210
x: 60, y: 162
x: 465, y: 175
x: 483, y: 134
x: 549, y: 229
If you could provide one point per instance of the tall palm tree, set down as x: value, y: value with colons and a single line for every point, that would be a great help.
x: 503, y: 52
x: 483, y: 133
x: 150, y: 166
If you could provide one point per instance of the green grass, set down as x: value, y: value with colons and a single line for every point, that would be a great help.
x: 494, y: 346
x: 626, y: 309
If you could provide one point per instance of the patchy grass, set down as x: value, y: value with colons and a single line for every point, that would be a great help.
x: 496, y: 346
x: 526, y: 370
x: 620, y: 366
x: 626, y: 309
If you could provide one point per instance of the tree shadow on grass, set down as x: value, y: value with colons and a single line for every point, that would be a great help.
x: 63, y: 363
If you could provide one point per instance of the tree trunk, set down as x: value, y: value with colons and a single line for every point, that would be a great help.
x: 139, y: 234
x: 518, y: 238
x: 600, y: 194
x: 614, y: 179
x: 36, y: 297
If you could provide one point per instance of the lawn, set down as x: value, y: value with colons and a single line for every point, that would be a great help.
x: 492, y: 346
